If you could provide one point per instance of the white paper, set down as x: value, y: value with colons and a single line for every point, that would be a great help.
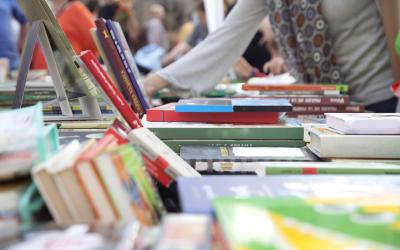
x: 284, y: 79
x: 267, y: 152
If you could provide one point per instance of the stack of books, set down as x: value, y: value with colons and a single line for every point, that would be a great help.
x: 357, y: 136
x: 221, y: 110
x: 307, y: 99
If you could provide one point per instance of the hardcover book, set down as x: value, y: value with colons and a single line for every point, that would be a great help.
x: 310, y: 222
x: 327, y: 143
x: 233, y: 105
x: 167, y: 113
x: 285, y: 130
x: 193, y: 154
x: 196, y: 194
x: 365, y: 123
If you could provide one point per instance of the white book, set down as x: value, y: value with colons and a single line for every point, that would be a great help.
x: 112, y: 181
x: 327, y: 143
x: 48, y: 188
x: 154, y: 148
x: 365, y: 123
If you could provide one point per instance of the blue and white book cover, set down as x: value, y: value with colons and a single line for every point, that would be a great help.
x: 196, y: 194
x: 204, y: 105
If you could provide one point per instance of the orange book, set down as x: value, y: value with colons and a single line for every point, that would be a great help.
x: 295, y: 87
x: 91, y: 182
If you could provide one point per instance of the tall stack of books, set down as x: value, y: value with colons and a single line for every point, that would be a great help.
x: 307, y: 99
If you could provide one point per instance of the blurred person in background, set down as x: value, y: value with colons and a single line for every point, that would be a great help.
x: 76, y: 21
x: 154, y: 28
x: 9, y: 46
x: 198, y: 34
x: 94, y: 7
x: 122, y: 11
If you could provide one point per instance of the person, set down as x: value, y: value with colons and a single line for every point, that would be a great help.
x: 9, y: 48
x: 76, y: 21
x: 154, y: 28
x: 122, y: 11
x: 199, y: 33
x: 321, y: 41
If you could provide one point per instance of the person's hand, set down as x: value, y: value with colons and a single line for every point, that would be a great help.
x: 153, y: 83
x: 275, y: 66
x: 243, y: 69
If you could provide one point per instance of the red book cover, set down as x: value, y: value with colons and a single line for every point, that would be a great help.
x: 110, y: 89
x: 118, y: 66
x: 166, y: 113
x: 157, y: 172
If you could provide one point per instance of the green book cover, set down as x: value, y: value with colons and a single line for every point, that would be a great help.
x: 203, y: 131
x: 135, y: 166
x: 310, y: 223
x: 176, y: 145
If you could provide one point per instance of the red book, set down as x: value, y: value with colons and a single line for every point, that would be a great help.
x: 166, y: 113
x: 157, y: 172
x: 103, y: 79
x: 291, y: 87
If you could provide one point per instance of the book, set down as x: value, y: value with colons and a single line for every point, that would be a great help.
x: 323, y: 100
x: 343, y: 88
x: 176, y: 145
x: 327, y: 143
x: 160, y: 154
x: 167, y: 113
x: 70, y: 188
x: 193, y: 154
x: 233, y: 105
x: 285, y: 130
x: 350, y: 108
x: 196, y: 194
x: 92, y: 184
x: 365, y: 123
x: 310, y: 222
x: 117, y: 65
x: 128, y: 61
x: 185, y: 231
x: 109, y: 89
x: 302, y: 168
x: 43, y: 179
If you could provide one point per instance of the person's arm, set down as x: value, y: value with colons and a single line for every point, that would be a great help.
x: 20, y: 17
x: 203, y: 67
x: 180, y: 49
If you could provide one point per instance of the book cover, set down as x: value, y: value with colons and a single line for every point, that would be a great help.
x: 117, y: 65
x: 285, y: 130
x: 161, y: 154
x: 233, y: 105
x: 321, y: 100
x: 167, y: 113
x: 327, y: 143
x: 196, y: 194
x: 204, y: 105
x: 109, y: 89
x: 195, y: 153
x: 127, y: 59
x: 365, y: 123
x: 310, y: 222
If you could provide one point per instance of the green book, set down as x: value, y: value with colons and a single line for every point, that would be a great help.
x: 369, y: 222
x: 176, y: 145
x: 290, y: 130
x: 263, y: 168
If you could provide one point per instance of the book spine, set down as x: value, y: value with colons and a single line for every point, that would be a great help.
x: 356, y: 108
x: 109, y: 89
x: 117, y: 65
x: 295, y: 87
x: 316, y: 100
x: 123, y: 56
x: 333, y: 171
x: 157, y: 172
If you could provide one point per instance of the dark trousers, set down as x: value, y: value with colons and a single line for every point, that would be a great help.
x: 387, y: 106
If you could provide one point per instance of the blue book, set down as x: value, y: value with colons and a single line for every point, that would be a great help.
x: 233, y: 105
x: 204, y: 105
x: 127, y: 59
x: 196, y: 194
